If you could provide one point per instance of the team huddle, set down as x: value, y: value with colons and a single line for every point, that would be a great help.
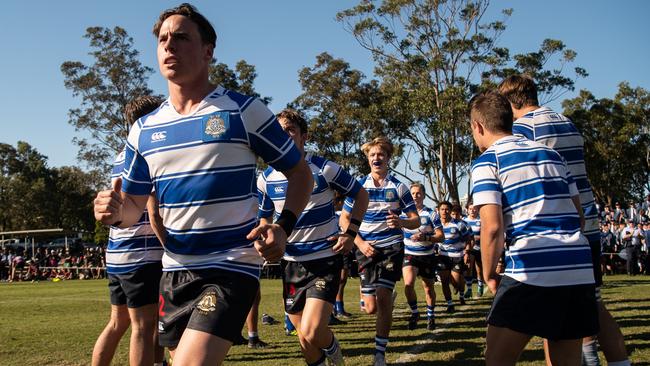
x: 192, y: 221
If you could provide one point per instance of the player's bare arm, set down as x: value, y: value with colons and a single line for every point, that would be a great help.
x: 492, y: 241
x: 113, y: 207
x: 345, y: 241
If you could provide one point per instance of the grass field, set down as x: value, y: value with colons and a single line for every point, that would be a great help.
x: 57, y: 323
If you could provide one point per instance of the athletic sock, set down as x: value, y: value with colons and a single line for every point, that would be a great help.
x: 450, y: 302
x: 320, y: 362
x: 414, y: 307
x: 362, y: 303
x: 287, y: 323
x: 380, y: 345
x: 469, y: 281
x: 332, y: 348
x: 590, y: 354
x: 338, y: 307
x: 252, y: 335
x: 430, y: 313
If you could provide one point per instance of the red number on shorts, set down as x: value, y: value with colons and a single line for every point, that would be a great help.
x: 161, y: 303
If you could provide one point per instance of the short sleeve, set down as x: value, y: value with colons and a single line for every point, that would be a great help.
x: 405, y: 199
x: 340, y: 180
x: 267, y: 139
x: 136, y: 178
x: 486, y: 186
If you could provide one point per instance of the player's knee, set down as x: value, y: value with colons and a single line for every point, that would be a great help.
x: 371, y: 308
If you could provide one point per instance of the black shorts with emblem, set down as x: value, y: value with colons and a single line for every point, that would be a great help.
x: 381, y: 270
x: 137, y: 288
x: 426, y: 265
x: 456, y: 264
x: 211, y: 300
x: 318, y: 278
x: 554, y: 313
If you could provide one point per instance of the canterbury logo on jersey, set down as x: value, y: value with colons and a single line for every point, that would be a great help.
x: 159, y: 136
x: 278, y: 189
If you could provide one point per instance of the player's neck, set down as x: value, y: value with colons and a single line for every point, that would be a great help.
x: 419, y: 207
x: 442, y: 219
x: 378, y: 177
x: 186, y: 97
x: 518, y: 113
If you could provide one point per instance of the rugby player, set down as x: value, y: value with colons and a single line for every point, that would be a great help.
x: 475, y: 267
x: 380, y: 241
x: 314, y: 254
x: 453, y: 252
x: 524, y: 188
x: 420, y: 259
x: 543, y: 125
x: 199, y: 151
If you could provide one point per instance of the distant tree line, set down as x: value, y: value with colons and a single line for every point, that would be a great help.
x: 429, y: 58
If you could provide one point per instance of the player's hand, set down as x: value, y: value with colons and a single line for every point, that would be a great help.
x: 493, y: 284
x: 344, y: 243
x: 108, y: 204
x: 419, y: 236
x: 466, y: 259
x: 393, y: 221
x: 270, y: 241
x: 366, y: 248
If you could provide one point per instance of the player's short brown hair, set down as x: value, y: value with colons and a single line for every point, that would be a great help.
x: 492, y: 110
x: 208, y: 35
x: 140, y: 106
x: 294, y: 117
x: 520, y: 90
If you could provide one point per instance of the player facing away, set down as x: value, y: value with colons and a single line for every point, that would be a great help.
x: 525, y: 189
x: 453, y: 253
x: 543, y: 125
x: 133, y: 267
x: 313, y: 258
x: 199, y: 152
x: 380, y: 241
x: 420, y: 258
x: 475, y: 267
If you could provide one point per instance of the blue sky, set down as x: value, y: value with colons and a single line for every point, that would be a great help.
x: 279, y: 38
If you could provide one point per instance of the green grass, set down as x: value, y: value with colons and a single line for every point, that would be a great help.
x: 57, y: 323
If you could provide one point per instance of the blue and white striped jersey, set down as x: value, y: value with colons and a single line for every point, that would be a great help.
x: 475, y: 226
x: 394, y: 196
x: 457, y: 233
x: 131, y: 248
x: 559, y: 133
x: 203, y: 168
x: 533, y: 186
x: 427, y: 225
x: 308, y: 241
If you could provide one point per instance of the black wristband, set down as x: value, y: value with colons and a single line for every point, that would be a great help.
x: 355, y: 221
x: 351, y: 232
x: 287, y: 221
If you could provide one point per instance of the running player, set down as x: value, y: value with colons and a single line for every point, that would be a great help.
x: 453, y: 253
x: 380, y: 239
x: 420, y: 259
x: 475, y: 269
x: 556, y: 131
x: 199, y: 151
x: 313, y: 259
x: 525, y: 189
x: 133, y: 267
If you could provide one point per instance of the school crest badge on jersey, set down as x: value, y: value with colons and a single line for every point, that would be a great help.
x: 390, y: 195
x: 216, y: 126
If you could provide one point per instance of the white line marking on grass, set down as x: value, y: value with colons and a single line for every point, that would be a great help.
x: 430, y: 337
